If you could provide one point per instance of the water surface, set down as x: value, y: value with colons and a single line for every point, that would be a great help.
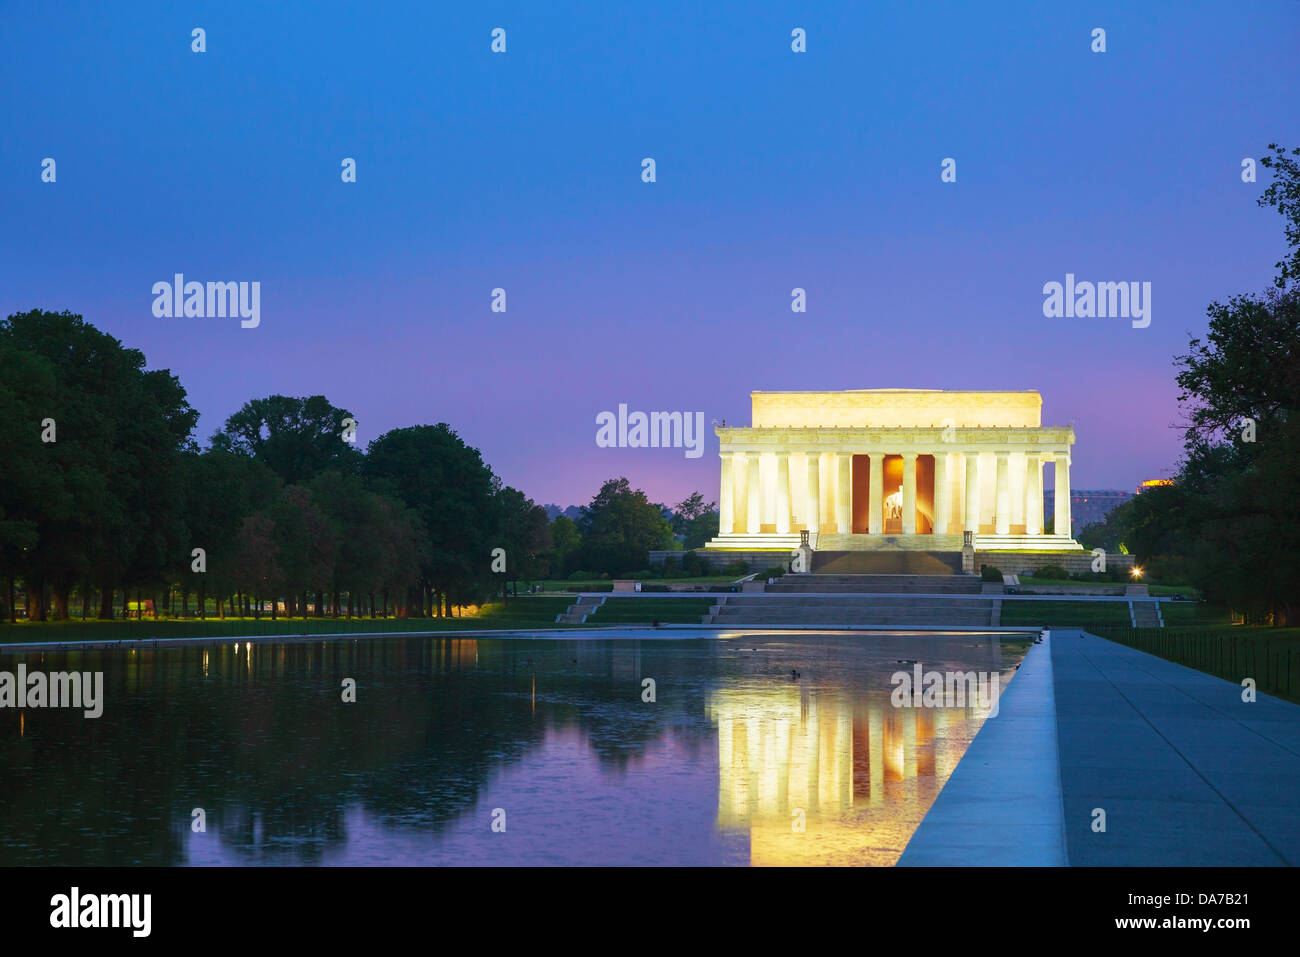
x: 736, y: 761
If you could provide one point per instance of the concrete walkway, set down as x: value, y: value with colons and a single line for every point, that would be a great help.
x: 1187, y: 773
x: 1002, y: 804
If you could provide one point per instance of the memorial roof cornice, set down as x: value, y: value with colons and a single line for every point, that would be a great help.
x: 896, y: 439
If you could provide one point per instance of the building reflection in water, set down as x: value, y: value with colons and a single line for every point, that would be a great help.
x: 857, y: 773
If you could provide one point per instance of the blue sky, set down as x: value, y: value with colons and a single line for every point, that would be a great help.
x: 522, y: 170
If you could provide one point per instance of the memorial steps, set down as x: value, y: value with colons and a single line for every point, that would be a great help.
x: 853, y: 600
x: 889, y: 563
x: 887, y: 542
x: 1045, y: 542
x: 852, y: 610
x: 944, y: 584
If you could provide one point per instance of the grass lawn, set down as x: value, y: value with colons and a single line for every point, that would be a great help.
x: 1065, y: 613
x: 522, y: 612
x: 1156, y: 591
x: 1169, y: 591
x: 1082, y: 614
x: 1183, y: 614
x: 645, y: 610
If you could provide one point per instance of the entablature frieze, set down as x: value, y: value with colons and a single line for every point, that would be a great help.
x: 868, y: 441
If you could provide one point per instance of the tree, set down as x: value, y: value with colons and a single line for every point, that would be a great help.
x: 256, y: 558
x: 687, y: 510
x: 119, y: 432
x: 377, y: 538
x: 701, y: 530
x: 695, y: 520
x: 566, y: 541
x: 220, y: 490
x: 296, y: 438
x: 1247, y: 367
x: 445, y: 482
x: 403, y: 544
x: 306, y: 545
x: 1235, y: 507
x: 32, y: 487
x: 619, y: 528
x: 524, y: 533
x: 1283, y: 194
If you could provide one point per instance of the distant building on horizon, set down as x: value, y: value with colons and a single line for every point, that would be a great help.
x: 1153, y: 483
x: 1088, y: 505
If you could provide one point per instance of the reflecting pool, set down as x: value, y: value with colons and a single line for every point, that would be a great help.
x: 735, y: 748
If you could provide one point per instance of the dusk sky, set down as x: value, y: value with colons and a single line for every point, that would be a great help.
x: 522, y: 170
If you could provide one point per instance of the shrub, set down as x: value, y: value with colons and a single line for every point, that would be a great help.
x: 776, y: 571
x: 1052, y: 571
x: 990, y: 573
x: 693, y: 566
x: 738, y: 567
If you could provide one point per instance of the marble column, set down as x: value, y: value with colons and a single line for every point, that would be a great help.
x: 783, y: 493
x: 1002, y: 507
x: 726, y: 507
x: 942, y: 494
x: 1033, y: 497
x: 1041, y: 521
x: 909, y: 493
x: 972, y: 512
x: 812, y: 521
x: 1062, y: 517
x: 843, y: 493
x: 877, y: 481
x: 754, y: 500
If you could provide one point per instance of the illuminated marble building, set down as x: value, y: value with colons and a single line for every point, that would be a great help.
x: 915, y: 467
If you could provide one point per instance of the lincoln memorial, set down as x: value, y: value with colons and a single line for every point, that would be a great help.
x: 893, y: 468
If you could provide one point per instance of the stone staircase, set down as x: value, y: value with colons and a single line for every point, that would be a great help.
x: 1146, y: 614
x: 739, y: 541
x: 1026, y: 543
x: 577, y: 613
x: 949, y: 584
x: 896, y: 563
x: 834, y: 600
x: 851, y: 610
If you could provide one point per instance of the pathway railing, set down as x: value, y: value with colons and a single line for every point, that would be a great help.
x: 1273, y: 661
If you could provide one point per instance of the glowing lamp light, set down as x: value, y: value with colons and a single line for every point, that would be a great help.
x: 1137, y: 572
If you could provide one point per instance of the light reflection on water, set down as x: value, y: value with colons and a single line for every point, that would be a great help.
x: 736, y: 762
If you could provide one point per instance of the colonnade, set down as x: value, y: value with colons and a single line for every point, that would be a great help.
x: 743, y: 481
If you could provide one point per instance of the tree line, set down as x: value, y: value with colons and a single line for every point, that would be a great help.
x: 107, y: 501
x: 1230, y: 521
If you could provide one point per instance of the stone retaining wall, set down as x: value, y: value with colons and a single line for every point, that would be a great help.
x: 758, y: 560
x: 1020, y: 563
